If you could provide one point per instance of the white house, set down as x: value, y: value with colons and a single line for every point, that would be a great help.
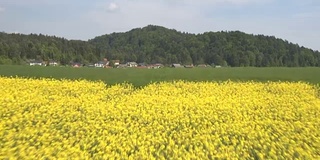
x: 53, y: 63
x: 176, y: 65
x: 101, y: 64
x: 116, y: 62
x: 132, y: 64
x: 35, y: 63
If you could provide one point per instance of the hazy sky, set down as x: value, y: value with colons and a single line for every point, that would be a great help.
x: 297, y: 21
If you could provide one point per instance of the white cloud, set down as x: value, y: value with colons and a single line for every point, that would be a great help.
x: 35, y: 2
x: 2, y: 9
x: 185, y: 15
x: 308, y: 14
x: 107, y: 16
x: 224, y: 2
x: 190, y: 16
x: 237, y: 2
x: 140, y: 13
x: 112, y: 7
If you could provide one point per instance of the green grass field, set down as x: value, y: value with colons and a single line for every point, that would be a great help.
x: 141, y: 77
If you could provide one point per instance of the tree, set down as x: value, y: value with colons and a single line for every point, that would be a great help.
x: 153, y: 44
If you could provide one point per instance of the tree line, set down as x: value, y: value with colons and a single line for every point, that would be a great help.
x: 156, y: 44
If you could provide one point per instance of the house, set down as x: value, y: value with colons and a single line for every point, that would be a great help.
x: 122, y: 66
x: 53, y: 63
x: 90, y: 65
x: 217, y: 66
x: 188, y: 66
x: 116, y: 62
x: 142, y: 65
x: 101, y: 64
x: 76, y: 65
x: 202, y: 65
x: 35, y: 63
x: 132, y: 64
x: 176, y: 65
x: 155, y: 66
x: 158, y: 65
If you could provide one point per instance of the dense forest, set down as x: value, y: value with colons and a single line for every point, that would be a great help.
x: 155, y: 44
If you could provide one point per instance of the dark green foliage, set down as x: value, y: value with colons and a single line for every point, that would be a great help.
x: 19, y: 48
x: 155, y: 44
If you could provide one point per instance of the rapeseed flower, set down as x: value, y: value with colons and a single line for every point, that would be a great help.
x: 79, y: 119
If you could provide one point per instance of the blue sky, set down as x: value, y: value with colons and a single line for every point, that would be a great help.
x: 297, y: 21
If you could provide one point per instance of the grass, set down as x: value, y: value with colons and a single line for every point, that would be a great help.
x: 141, y: 77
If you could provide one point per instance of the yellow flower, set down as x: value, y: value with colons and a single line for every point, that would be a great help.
x: 47, y: 118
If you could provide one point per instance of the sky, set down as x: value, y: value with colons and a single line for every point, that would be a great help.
x: 297, y: 21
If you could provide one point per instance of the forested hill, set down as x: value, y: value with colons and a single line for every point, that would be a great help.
x: 155, y: 44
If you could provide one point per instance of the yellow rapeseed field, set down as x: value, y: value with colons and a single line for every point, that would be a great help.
x: 64, y: 119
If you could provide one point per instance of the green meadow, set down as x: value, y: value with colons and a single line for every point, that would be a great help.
x: 140, y: 77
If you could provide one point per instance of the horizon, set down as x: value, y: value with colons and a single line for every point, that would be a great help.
x: 294, y: 21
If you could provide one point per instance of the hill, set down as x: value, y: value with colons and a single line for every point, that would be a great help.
x: 156, y: 44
